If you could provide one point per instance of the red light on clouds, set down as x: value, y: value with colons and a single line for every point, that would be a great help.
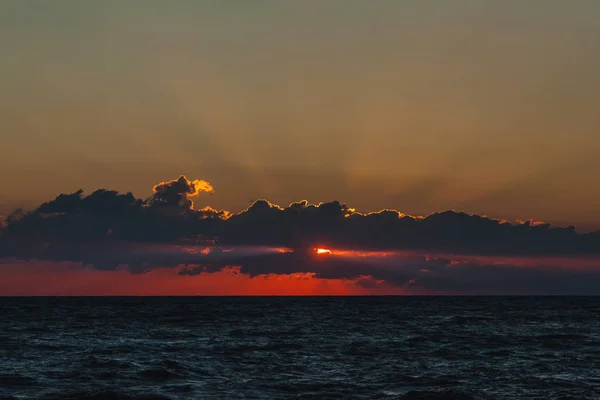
x: 48, y: 278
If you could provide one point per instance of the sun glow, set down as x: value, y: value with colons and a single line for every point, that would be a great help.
x: 323, y: 251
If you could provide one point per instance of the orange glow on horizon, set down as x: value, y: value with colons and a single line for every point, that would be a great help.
x: 73, y: 279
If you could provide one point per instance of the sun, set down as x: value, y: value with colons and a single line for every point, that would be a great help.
x: 323, y: 251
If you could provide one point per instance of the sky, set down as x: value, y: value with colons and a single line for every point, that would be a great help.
x: 487, y: 107
x: 490, y: 107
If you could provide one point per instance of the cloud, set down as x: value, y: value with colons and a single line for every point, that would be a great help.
x: 378, y: 272
x: 177, y: 193
x: 444, y: 252
x: 169, y: 215
x: 503, y: 279
x: 403, y: 276
x: 101, y: 201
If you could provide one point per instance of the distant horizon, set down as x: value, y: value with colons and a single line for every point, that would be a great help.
x: 308, y: 296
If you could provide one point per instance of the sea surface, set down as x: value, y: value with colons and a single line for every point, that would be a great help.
x: 290, y: 348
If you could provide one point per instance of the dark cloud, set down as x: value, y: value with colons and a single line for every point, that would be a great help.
x: 178, y: 193
x: 412, y: 272
x: 169, y: 216
x: 3, y: 225
x: 449, y: 252
x: 485, y: 279
x: 63, y: 203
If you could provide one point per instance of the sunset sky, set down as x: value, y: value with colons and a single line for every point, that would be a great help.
x: 487, y: 108
x: 491, y: 107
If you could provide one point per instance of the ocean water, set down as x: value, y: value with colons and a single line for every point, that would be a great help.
x: 284, y: 348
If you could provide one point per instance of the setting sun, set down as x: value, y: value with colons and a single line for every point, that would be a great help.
x: 323, y: 251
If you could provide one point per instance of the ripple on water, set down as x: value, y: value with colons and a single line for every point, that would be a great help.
x: 280, y: 348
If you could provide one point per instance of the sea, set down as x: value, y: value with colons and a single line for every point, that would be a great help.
x: 163, y: 348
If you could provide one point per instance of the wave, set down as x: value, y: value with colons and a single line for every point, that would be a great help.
x: 437, y: 395
x: 102, y: 395
x: 158, y: 374
x: 16, y: 380
x: 264, y: 348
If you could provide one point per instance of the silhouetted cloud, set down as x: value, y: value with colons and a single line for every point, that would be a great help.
x: 378, y: 252
x: 3, y: 225
x: 270, y: 249
x: 169, y: 215
x: 178, y: 192
x: 502, y: 279
x: 370, y: 273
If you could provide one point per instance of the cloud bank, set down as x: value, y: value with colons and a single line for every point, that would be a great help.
x: 109, y: 234
x: 169, y: 215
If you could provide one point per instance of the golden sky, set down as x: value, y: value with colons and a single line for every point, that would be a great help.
x: 490, y: 107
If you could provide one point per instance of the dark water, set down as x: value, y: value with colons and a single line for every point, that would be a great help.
x: 279, y: 348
